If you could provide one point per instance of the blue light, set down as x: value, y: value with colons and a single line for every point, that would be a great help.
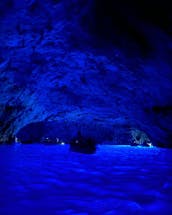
x: 116, y: 180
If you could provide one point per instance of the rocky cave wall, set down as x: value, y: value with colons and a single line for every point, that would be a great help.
x: 103, y: 67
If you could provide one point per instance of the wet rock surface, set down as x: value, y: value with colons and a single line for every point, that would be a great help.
x: 58, y: 73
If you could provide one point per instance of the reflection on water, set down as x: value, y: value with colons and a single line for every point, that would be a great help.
x: 40, y: 179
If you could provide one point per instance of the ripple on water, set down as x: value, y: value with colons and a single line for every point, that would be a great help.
x: 116, y: 180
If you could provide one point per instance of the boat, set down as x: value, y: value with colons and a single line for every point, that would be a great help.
x: 82, y: 144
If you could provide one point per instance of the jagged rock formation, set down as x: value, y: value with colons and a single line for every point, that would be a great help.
x: 68, y: 66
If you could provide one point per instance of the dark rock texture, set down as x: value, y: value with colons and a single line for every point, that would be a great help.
x: 98, y: 67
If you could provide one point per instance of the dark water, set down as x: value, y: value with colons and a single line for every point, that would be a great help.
x: 39, y: 179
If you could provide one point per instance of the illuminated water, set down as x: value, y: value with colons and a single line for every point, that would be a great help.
x: 39, y: 179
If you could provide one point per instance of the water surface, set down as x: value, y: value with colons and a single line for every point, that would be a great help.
x: 117, y: 180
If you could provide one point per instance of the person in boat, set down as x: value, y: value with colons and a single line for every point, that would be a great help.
x: 83, y: 144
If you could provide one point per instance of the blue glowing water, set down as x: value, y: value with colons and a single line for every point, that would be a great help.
x: 39, y: 179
